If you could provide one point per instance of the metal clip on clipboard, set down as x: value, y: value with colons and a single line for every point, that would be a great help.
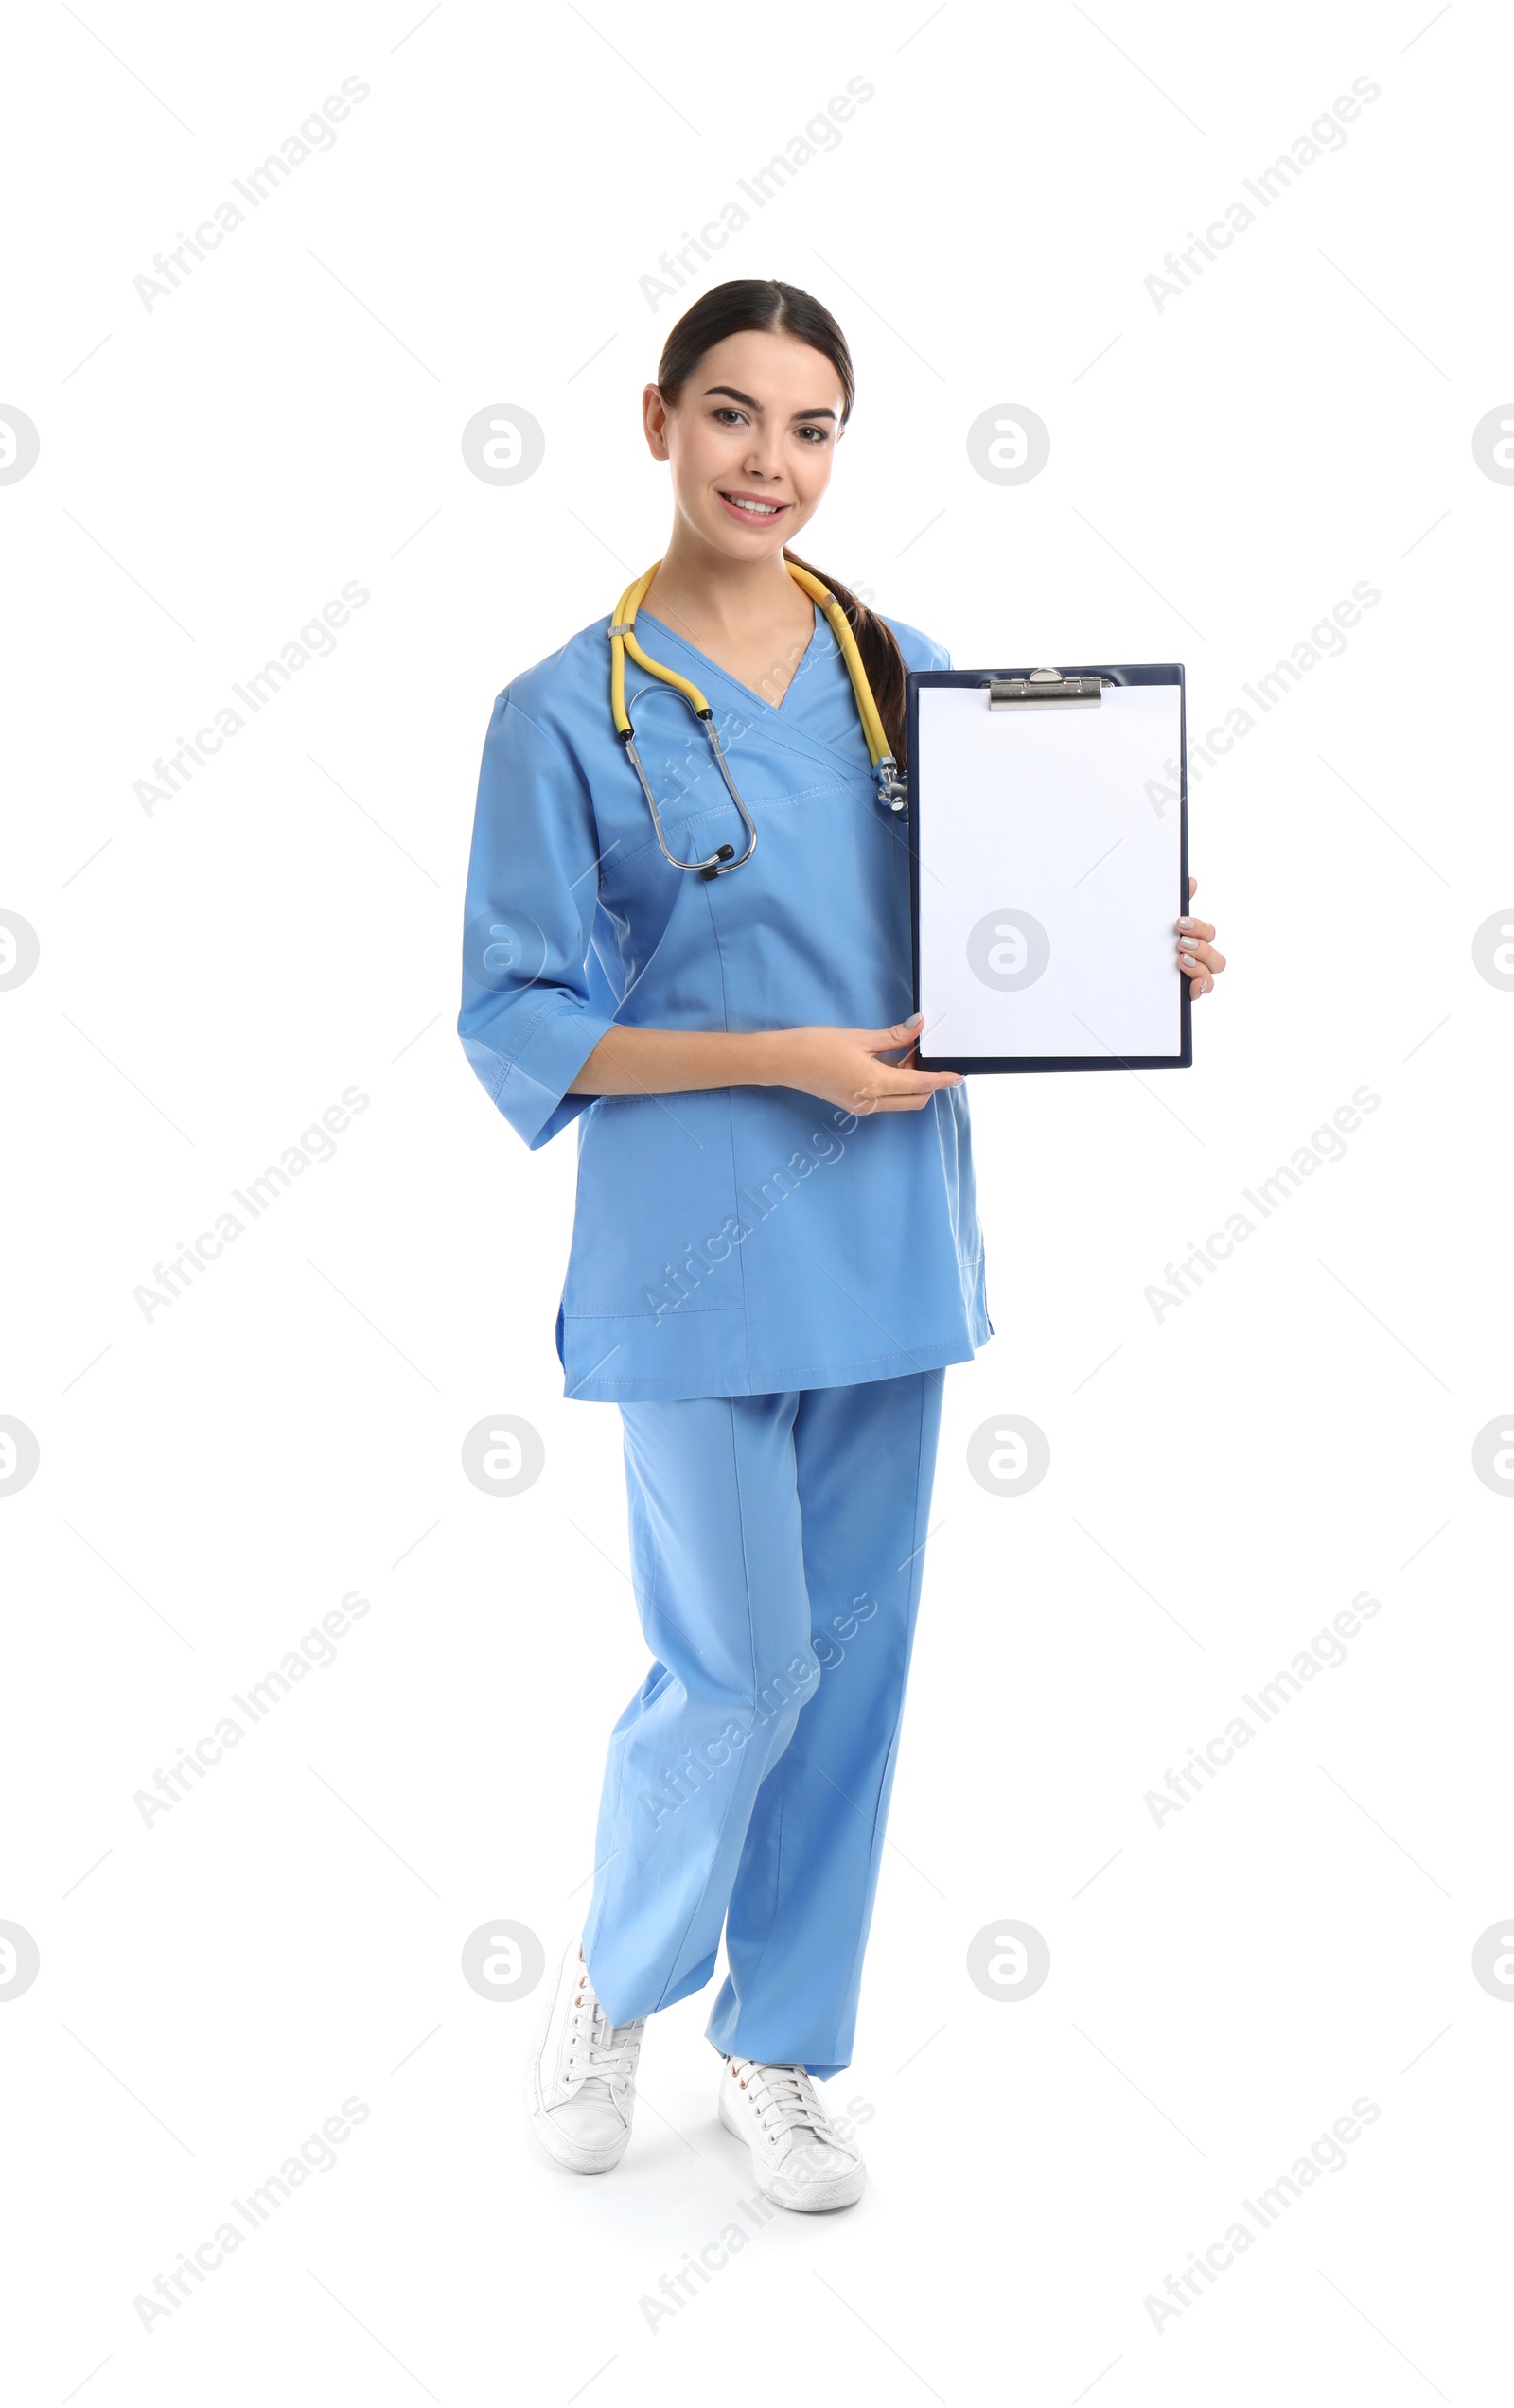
x: 1046, y: 685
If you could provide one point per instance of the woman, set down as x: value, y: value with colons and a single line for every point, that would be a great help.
x: 775, y: 1248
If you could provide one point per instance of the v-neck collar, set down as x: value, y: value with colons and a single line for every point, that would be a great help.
x: 776, y: 708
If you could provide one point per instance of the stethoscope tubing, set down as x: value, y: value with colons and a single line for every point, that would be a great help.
x: 622, y: 639
x: 714, y: 865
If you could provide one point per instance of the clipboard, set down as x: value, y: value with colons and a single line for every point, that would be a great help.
x: 1049, y: 861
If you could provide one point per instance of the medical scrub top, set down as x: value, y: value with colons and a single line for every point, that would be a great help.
x: 736, y: 1240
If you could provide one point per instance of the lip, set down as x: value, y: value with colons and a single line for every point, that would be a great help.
x: 773, y: 511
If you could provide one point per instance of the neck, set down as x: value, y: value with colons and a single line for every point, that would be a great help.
x: 697, y: 587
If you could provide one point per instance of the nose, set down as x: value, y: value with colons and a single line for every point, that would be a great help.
x: 764, y: 457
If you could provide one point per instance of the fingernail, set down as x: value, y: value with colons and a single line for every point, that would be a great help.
x: 1184, y: 923
x: 1186, y: 962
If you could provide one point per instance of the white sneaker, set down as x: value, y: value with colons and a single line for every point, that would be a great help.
x: 799, y: 2159
x: 581, y: 2080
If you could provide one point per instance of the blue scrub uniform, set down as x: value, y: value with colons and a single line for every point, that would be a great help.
x: 767, y: 1285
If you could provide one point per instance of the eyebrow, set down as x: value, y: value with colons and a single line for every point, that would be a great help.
x: 747, y: 403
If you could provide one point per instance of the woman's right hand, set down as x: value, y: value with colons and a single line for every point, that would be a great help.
x: 842, y: 1067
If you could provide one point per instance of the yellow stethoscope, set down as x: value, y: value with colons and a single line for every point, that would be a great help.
x: 892, y: 792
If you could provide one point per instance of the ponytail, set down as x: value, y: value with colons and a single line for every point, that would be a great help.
x: 764, y: 306
x: 881, y: 656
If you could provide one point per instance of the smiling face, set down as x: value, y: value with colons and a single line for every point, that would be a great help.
x: 750, y: 441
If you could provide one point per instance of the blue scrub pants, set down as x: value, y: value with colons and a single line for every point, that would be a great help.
x: 777, y: 1544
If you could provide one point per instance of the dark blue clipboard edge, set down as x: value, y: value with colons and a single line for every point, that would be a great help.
x: 1157, y: 673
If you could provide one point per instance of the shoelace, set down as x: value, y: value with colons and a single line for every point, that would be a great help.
x: 598, y: 2049
x: 784, y: 2101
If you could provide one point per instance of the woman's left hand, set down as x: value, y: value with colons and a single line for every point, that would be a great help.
x: 1196, y: 956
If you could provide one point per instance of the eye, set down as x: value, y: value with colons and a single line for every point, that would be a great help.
x: 821, y: 435
x: 726, y: 412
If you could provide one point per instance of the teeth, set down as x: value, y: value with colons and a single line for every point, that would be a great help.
x: 758, y: 509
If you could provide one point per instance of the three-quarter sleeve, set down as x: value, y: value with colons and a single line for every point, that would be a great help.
x: 528, y: 1020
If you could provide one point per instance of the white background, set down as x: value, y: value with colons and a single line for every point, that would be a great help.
x: 1222, y: 1480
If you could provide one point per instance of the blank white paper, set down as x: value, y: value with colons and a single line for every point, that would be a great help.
x: 1049, y: 841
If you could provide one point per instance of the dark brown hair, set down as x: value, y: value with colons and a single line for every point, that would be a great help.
x: 761, y: 305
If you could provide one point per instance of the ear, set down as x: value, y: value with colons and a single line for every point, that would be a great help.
x: 654, y: 422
